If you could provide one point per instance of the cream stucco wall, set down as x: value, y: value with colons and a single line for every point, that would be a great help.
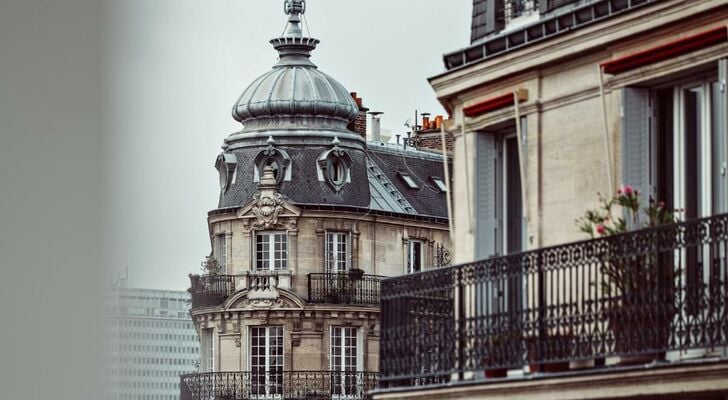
x: 566, y: 160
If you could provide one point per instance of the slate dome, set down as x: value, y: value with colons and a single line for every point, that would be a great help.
x: 295, y: 87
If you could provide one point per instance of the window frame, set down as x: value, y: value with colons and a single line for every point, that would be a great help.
x: 337, y: 235
x: 270, y: 259
x: 220, y: 251
x: 345, y: 381
x: 269, y: 360
x: 410, y: 253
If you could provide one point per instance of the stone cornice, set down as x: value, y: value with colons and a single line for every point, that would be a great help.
x: 569, y: 45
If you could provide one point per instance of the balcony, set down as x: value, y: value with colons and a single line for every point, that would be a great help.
x: 343, y: 288
x: 299, y: 385
x: 650, y: 298
x: 213, y: 290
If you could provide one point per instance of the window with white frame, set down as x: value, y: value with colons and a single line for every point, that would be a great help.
x: 344, y: 359
x: 675, y: 151
x: 220, y: 252
x: 415, y: 256
x: 266, y: 360
x: 271, y: 251
x: 337, y: 252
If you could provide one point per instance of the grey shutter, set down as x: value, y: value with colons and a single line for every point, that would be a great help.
x: 486, y: 226
x: 636, y: 132
x: 486, y: 18
x: 720, y: 144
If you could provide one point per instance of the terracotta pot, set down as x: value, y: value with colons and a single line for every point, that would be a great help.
x: 496, y: 373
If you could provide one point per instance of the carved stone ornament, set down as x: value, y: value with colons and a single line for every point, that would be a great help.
x: 268, y: 304
x: 267, y: 209
x: 268, y: 206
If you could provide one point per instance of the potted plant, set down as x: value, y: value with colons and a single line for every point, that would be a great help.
x: 550, y: 353
x: 210, y: 266
x: 638, y: 286
x: 356, y: 273
x: 499, y: 350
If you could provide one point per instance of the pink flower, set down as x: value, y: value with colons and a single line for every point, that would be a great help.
x: 661, y: 204
x: 601, y: 229
x: 628, y: 190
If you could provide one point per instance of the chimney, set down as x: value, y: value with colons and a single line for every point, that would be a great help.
x: 360, y: 123
x: 376, y: 126
x: 425, y: 121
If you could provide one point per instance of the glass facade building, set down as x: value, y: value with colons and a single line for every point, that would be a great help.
x: 151, y: 342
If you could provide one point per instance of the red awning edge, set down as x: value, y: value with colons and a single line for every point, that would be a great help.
x: 496, y: 103
x: 669, y: 50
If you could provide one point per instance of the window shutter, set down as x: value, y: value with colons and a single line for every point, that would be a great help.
x: 636, y: 152
x: 485, y: 196
x: 720, y: 117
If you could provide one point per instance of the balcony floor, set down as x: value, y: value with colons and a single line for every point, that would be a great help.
x: 704, y: 379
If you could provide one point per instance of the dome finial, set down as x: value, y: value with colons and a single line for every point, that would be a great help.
x: 294, y: 6
x: 294, y: 9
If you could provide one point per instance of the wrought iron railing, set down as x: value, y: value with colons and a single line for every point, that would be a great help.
x: 641, y: 296
x: 298, y: 385
x: 211, y: 290
x: 513, y: 9
x: 344, y: 288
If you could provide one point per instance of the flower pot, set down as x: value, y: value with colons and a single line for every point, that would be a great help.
x: 549, y: 354
x: 496, y: 373
x: 333, y: 298
x: 356, y: 273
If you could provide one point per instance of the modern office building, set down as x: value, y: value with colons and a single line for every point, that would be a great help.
x: 311, y: 217
x: 151, y: 343
x: 552, y: 102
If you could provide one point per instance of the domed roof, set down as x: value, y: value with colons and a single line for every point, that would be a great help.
x: 295, y: 90
x: 295, y: 87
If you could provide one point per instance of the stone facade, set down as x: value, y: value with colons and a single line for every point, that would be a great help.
x: 379, y: 246
x: 566, y: 161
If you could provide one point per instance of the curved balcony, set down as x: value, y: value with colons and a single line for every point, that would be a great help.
x: 344, y: 288
x: 289, y: 385
x: 213, y: 290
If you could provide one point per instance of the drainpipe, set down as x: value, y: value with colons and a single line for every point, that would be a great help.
x: 607, y: 147
x: 447, y: 181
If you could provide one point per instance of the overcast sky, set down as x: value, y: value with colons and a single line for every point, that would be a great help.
x: 176, y: 68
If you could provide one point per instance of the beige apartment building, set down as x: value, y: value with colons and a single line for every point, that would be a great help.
x: 311, y: 217
x: 553, y: 102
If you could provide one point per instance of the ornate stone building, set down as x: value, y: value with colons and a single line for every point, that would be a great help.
x: 310, y: 218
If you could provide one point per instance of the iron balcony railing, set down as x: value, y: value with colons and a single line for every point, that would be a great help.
x: 643, y: 296
x: 213, y: 290
x: 298, y: 385
x: 344, y: 288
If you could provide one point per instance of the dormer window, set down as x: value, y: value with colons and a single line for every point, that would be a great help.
x: 334, y: 167
x: 226, y: 166
x: 277, y: 159
x: 519, y: 12
x: 337, y: 172
x: 409, y: 181
x: 440, y: 184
